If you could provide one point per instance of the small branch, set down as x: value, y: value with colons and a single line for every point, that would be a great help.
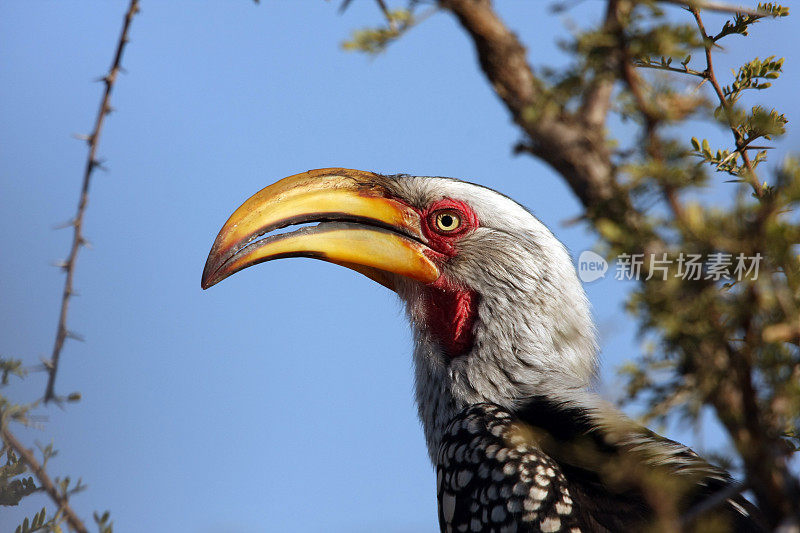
x: 712, y: 78
x: 47, y: 484
x: 634, y: 83
x: 691, y: 72
x: 719, y: 7
x: 77, y: 223
x: 651, y: 120
x: 597, y: 100
x: 387, y: 14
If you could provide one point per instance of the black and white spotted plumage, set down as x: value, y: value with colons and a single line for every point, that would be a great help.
x: 549, y: 468
x: 488, y: 478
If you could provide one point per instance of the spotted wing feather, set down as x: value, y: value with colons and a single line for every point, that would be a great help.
x: 490, y: 481
x: 504, y: 472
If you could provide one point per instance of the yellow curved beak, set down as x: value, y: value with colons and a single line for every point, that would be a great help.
x: 358, y: 227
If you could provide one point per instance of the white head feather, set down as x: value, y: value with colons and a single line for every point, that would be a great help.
x: 533, y: 331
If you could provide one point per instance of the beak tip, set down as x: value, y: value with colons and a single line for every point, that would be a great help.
x: 209, y: 278
x: 209, y: 281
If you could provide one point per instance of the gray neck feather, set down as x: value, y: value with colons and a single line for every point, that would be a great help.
x: 533, y: 333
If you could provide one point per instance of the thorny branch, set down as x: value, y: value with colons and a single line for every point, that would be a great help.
x: 47, y: 484
x: 691, y: 72
x: 78, y: 240
x: 741, y: 142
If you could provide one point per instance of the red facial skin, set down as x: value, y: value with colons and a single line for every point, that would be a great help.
x: 450, y: 309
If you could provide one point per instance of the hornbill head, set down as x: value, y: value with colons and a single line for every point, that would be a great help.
x: 497, y: 310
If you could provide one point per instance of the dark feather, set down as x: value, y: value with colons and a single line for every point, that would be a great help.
x: 553, y: 466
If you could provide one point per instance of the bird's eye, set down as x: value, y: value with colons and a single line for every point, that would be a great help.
x: 447, y: 221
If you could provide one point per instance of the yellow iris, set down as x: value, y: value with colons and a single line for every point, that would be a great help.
x: 447, y: 221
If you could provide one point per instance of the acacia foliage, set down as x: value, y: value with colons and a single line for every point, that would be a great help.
x: 661, y: 192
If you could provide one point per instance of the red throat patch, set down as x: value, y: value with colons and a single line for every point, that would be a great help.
x: 450, y: 314
x: 450, y: 310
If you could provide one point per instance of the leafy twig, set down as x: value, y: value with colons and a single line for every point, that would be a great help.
x: 41, y: 474
x: 78, y: 239
x: 726, y: 105
x: 384, y: 9
x: 721, y: 7
x: 642, y: 63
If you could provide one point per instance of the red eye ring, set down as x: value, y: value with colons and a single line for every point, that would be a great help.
x: 445, y: 222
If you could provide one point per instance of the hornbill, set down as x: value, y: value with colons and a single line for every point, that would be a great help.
x: 504, y: 352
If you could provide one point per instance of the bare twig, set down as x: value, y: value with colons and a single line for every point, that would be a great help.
x: 387, y: 14
x: 381, y: 4
x: 78, y: 239
x: 75, y: 523
x: 343, y: 7
x: 726, y: 106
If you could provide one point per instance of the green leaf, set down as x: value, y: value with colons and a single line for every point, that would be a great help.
x: 376, y: 40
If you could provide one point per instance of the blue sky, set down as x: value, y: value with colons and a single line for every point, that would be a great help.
x: 280, y: 400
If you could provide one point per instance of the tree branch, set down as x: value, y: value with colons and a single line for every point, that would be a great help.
x: 597, y: 100
x: 573, y: 144
x: 726, y: 105
x: 78, y: 239
x: 47, y: 484
x: 720, y: 7
x: 501, y: 55
x: 561, y: 141
x: 651, y: 122
x: 691, y: 72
